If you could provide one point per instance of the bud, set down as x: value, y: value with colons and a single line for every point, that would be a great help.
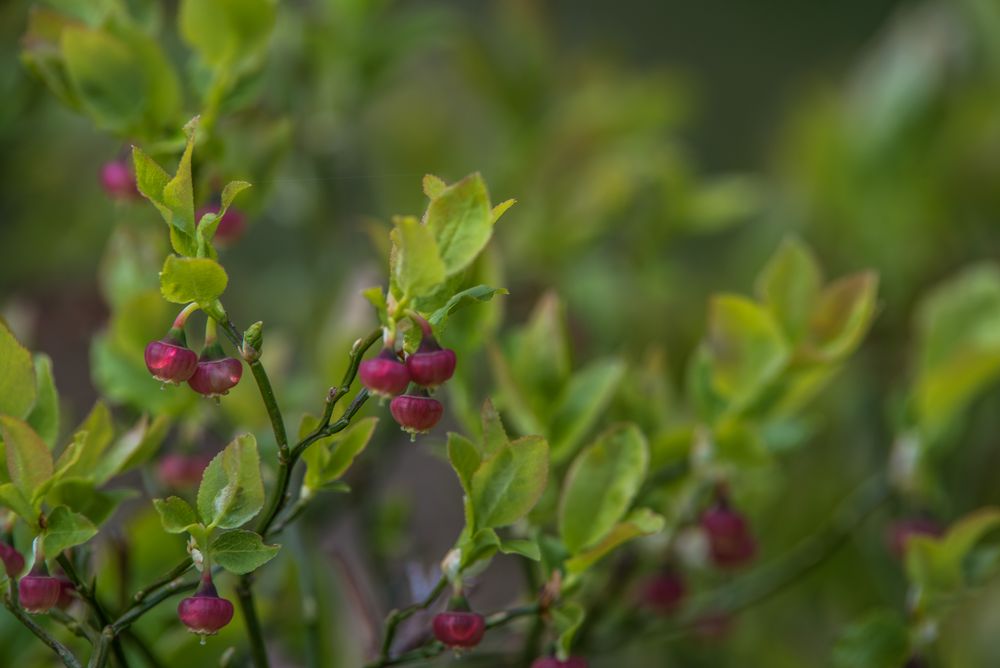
x: 730, y: 541
x: 253, y: 340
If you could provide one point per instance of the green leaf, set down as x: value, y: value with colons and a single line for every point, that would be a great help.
x: 94, y: 436
x: 464, y: 458
x: 29, y: 461
x: 568, y: 616
x: 790, y: 285
x: 65, y: 529
x: 433, y: 186
x: 640, y: 522
x: 226, y: 32
x: 935, y: 565
x: 582, y: 403
x: 107, y: 76
x: 231, y: 491
x: 880, y: 640
x: 83, y: 497
x: 494, y: 435
x: 507, y: 484
x: 843, y: 315
x: 12, y: 498
x: 241, y: 552
x: 209, y: 223
x: 329, y: 459
x: 600, y: 486
x: 521, y: 546
x: 539, y: 354
x: 172, y: 196
x: 176, y: 514
x: 746, y: 346
x: 44, y: 416
x: 376, y: 297
x: 192, y: 279
x: 132, y: 448
x: 460, y: 220
x: 477, y: 294
x: 416, y: 264
x: 500, y: 209
x: 17, y: 376
x: 958, y: 326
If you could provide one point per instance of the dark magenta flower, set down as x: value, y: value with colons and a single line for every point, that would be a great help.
x: 118, y: 181
x: 384, y: 374
x: 459, y: 629
x: 13, y: 561
x: 900, y: 532
x: 431, y: 365
x: 181, y: 471
x: 553, y: 662
x: 416, y: 413
x: 38, y: 593
x: 729, y: 537
x: 231, y: 225
x: 215, y: 373
x: 205, y: 612
x: 169, y: 360
x: 664, y: 592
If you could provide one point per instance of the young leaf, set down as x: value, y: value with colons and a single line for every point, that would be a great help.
x: 600, y: 486
x: 508, y: 484
x: 465, y: 459
x: 83, y: 497
x: 581, y: 404
x: 500, y: 209
x: 494, y: 435
x: 640, y: 522
x: 568, y: 616
x: 417, y: 264
x: 521, y: 546
x: 176, y: 515
x: 65, y: 529
x: 329, y: 459
x: 747, y: 348
x: 459, y: 219
x: 226, y: 33
x: 172, y: 196
x: 880, y: 640
x: 231, y: 491
x: 17, y: 376
x: 433, y: 186
x: 94, y: 436
x: 29, y: 461
x: 789, y: 285
x: 189, y: 279
x: 107, y: 75
x: 842, y: 316
x: 12, y: 498
x: 475, y: 295
x: 44, y: 416
x: 241, y: 551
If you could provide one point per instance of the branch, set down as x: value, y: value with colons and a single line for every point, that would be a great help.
x: 397, y: 616
x: 176, y: 572
x: 88, y: 595
x: 65, y: 655
x: 258, y: 648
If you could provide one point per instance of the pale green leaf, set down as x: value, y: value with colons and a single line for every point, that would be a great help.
x: 29, y: 462
x: 600, y: 486
x: 241, y: 551
x: 176, y: 514
x: 460, y: 220
x: 17, y: 376
x: 790, y: 285
x: 44, y: 416
x: 509, y: 483
x: 189, y: 279
x: 65, y: 529
x: 231, y: 491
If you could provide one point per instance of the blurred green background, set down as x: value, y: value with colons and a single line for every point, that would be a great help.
x: 659, y: 152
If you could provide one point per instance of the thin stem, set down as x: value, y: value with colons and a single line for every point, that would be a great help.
x: 65, y: 655
x: 88, y: 595
x: 258, y: 648
x: 149, y: 602
x: 176, y: 572
x: 99, y: 658
x: 398, y: 616
x: 75, y: 626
